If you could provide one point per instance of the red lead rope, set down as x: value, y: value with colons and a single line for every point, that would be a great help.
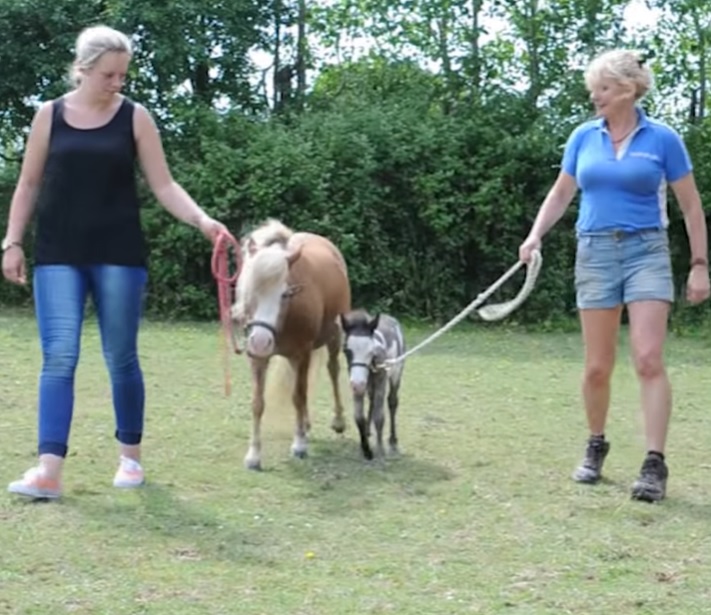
x: 225, y: 284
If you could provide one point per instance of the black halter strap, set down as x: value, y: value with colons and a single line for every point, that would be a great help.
x: 260, y: 323
x: 357, y: 364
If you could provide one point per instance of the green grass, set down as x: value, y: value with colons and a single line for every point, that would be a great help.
x: 478, y: 514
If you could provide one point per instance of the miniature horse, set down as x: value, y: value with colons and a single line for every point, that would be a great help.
x: 368, y: 342
x: 292, y: 288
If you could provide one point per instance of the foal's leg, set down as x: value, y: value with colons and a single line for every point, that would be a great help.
x: 393, y: 402
x: 253, y: 459
x: 371, y: 395
x: 334, y: 348
x: 377, y: 410
x: 299, y: 447
x: 363, y: 427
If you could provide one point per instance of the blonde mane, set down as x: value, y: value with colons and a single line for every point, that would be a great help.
x: 269, y: 233
x: 264, y: 267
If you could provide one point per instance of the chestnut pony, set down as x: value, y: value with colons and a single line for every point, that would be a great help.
x: 289, y: 296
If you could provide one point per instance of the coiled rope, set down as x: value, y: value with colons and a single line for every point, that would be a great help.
x: 492, y: 312
x: 225, y: 293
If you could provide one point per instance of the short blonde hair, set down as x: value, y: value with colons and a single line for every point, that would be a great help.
x: 623, y: 66
x: 92, y: 43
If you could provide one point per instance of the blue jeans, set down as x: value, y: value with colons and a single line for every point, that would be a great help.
x: 614, y: 268
x: 60, y: 293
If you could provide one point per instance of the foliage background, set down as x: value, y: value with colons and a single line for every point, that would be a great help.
x: 424, y: 157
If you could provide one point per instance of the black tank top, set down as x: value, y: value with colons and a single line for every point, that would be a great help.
x: 88, y: 207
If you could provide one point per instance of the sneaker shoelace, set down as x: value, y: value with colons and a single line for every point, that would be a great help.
x: 594, y: 453
x: 652, y: 469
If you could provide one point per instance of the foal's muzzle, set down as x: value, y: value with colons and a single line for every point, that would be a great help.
x: 359, y: 384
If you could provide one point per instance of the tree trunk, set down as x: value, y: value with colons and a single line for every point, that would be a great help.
x: 702, y: 34
x: 302, y: 49
x: 475, y: 58
x: 277, y: 54
x: 534, y: 62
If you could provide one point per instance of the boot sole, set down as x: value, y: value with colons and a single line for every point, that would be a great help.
x: 644, y: 494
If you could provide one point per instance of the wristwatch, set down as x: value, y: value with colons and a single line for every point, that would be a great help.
x: 7, y: 244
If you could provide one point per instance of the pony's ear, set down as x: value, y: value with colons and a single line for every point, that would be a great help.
x: 373, y: 322
x: 345, y: 323
x: 294, y: 254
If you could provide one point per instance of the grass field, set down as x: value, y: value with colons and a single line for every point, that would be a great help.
x: 478, y: 514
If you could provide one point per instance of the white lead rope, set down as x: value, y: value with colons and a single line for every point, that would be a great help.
x: 492, y: 312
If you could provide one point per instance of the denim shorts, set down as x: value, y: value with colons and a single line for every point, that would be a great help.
x: 617, y: 267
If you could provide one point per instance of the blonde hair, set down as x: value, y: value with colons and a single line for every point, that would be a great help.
x: 94, y: 42
x: 621, y: 65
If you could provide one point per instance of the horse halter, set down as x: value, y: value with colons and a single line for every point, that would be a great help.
x: 260, y: 323
x: 287, y: 295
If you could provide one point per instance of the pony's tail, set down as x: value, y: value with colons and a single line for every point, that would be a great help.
x: 279, y: 387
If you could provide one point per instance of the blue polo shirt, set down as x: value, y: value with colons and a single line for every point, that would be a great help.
x: 625, y: 191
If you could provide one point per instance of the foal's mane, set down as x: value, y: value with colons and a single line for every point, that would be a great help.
x: 356, y: 321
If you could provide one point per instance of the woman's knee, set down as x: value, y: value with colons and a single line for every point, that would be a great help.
x: 60, y: 294
x: 60, y: 361
x: 598, y: 373
x: 648, y: 328
x: 648, y: 363
x: 118, y: 297
x: 122, y: 363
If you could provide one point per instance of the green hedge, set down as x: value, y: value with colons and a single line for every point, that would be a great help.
x: 428, y: 207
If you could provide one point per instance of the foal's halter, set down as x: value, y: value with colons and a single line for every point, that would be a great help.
x: 372, y: 366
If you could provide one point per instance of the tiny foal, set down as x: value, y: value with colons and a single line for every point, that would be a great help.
x: 369, y: 341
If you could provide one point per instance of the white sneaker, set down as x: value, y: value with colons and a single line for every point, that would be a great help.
x: 129, y: 474
x: 34, y: 484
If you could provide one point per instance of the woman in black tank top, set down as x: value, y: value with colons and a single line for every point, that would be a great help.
x: 78, y: 172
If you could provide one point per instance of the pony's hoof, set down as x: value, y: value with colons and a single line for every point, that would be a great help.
x: 394, y: 450
x: 299, y: 454
x: 368, y: 454
x: 253, y: 464
x: 338, y: 424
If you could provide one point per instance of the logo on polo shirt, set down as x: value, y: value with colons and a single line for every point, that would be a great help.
x: 653, y: 157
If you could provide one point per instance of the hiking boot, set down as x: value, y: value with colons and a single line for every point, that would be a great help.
x: 651, y: 485
x: 36, y: 485
x: 129, y: 474
x: 590, y: 470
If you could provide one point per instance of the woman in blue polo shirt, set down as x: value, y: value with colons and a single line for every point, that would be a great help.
x: 623, y: 162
